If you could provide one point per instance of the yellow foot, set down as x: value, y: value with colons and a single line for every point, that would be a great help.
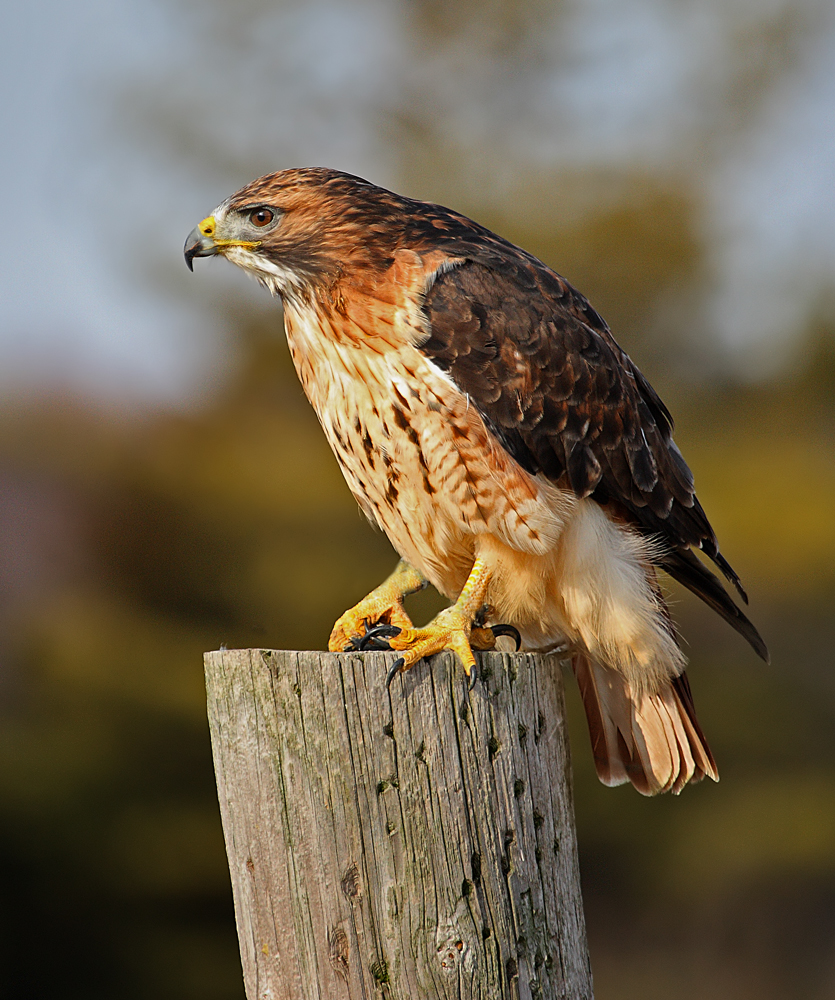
x: 451, y: 629
x: 383, y: 605
x: 448, y: 630
x: 379, y: 622
x: 352, y: 627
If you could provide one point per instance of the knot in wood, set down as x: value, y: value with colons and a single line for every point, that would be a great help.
x: 338, y: 952
x: 352, y: 883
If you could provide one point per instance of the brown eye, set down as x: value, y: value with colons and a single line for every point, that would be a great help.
x: 261, y: 217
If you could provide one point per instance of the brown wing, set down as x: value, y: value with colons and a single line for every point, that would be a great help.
x: 564, y: 399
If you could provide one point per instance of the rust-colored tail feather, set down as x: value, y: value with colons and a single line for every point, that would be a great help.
x: 654, y: 741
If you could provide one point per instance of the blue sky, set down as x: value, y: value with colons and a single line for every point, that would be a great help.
x: 94, y: 295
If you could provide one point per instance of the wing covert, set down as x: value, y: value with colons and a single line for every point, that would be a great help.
x: 565, y: 400
x: 560, y: 393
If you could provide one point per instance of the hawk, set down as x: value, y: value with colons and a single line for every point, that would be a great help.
x: 485, y: 418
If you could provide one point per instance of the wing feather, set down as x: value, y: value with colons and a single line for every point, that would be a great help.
x: 566, y: 401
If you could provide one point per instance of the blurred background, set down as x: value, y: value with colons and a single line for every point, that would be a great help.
x: 164, y: 486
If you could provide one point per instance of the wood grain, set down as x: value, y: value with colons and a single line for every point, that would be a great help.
x: 412, y: 843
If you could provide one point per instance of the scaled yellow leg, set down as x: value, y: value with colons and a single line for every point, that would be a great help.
x: 384, y: 603
x: 451, y: 628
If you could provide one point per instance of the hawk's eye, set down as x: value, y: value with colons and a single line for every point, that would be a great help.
x: 261, y: 217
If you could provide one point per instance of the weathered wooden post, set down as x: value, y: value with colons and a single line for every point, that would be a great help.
x: 412, y: 843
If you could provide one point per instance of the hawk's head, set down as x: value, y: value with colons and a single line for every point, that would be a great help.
x: 299, y: 228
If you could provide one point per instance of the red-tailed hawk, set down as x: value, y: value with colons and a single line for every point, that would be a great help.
x: 484, y: 416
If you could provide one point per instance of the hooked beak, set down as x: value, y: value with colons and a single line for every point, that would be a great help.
x: 198, y: 245
x: 203, y: 242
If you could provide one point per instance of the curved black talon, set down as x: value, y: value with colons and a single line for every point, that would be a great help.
x: 498, y: 630
x: 395, y: 668
x: 471, y: 680
x: 373, y: 639
x: 376, y: 638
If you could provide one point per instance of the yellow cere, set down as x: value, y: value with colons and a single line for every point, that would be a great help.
x: 207, y: 226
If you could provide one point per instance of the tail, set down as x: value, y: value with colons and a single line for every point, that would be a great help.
x: 653, y: 741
